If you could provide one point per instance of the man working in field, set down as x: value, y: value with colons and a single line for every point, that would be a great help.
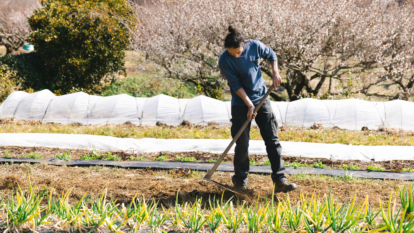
x: 240, y: 65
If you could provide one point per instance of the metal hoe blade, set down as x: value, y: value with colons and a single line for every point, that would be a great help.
x: 211, y: 172
x: 223, y: 186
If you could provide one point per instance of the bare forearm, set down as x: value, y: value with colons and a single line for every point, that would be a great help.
x: 242, y: 94
x: 277, y: 80
x: 274, y: 67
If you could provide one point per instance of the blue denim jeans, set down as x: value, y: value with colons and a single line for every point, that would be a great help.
x: 266, y: 121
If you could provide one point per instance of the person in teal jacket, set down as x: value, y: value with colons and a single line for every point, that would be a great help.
x: 240, y: 65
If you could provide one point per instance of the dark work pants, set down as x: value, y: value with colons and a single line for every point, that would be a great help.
x: 266, y: 121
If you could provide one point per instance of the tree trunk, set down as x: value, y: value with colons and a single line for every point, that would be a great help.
x: 275, y: 96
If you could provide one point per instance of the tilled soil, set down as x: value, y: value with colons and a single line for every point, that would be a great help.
x: 163, y: 186
x: 396, y: 165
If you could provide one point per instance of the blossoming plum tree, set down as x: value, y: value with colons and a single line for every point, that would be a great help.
x: 316, y: 41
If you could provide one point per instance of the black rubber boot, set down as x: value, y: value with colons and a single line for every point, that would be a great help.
x: 240, y: 186
x: 284, y: 186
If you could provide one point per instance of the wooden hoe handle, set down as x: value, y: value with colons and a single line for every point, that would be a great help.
x: 210, y: 172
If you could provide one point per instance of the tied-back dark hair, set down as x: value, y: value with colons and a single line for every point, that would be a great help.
x: 234, y: 39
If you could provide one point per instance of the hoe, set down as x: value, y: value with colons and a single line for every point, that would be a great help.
x: 210, y: 172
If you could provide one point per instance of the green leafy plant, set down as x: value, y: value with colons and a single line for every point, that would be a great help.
x: 396, y: 221
x: 296, y: 165
x: 253, y: 162
x: 350, y: 167
x: 233, y: 219
x: 25, y: 208
x: 319, y: 165
x: 407, y: 199
x: 408, y: 169
x: 64, y: 156
x: 109, y: 156
x: 93, y: 156
x: 255, y: 217
x: 195, y: 219
x: 154, y: 217
x: 212, y: 161
x: 344, y: 216
x: 276, y: 217
x: 7, y: 155
x: 347, y: 176
x: 370, y: 216
x: 294, y: 215
x: 186, y: 159
x: 161, y: 158
x: 98, y: 213
x: 314, y: 216
x: 175, y: 219
x: 267, y: 162
x: 375, y: 168
x: 86, y: 157
x: 216, y: 217
x: 32, y: 155
x: 80, y: 42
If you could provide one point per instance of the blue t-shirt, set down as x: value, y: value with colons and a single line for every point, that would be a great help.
x: 245, y: 71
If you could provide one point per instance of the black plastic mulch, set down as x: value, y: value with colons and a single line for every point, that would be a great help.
x: 224, y: 167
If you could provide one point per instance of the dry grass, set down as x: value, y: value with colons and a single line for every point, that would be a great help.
x: 163, y: 186
x: 383, y: 137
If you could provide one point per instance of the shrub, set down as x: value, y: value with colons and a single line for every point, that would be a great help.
x: 28, y: 68
x: 80, y: 42
x: 6, y: 83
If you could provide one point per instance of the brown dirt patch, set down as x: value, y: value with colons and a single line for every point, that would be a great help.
x: 123, y: 184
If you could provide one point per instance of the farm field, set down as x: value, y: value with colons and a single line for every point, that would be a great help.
x: 175, y: 195
x: 183, y: 195
x: 163, y: 185
x: 115, y: 56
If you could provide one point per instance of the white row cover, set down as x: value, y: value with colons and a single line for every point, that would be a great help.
x: 297, y: 149
x: 82, y: 108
